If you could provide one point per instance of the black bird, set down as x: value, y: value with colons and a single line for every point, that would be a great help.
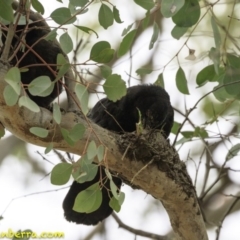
x: 32, y: 36
x: 121, y: 116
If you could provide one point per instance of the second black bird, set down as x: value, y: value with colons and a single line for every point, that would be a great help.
x: 121, y: 116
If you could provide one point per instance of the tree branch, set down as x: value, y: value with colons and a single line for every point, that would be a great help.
x: 138, y: 231
x: 165, y: 179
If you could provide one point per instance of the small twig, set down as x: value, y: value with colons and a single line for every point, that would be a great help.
x: 31, y: 194
x: 100, y: 229
x: 218, y: 231
x: 137, y: 231
x: 144, y: 167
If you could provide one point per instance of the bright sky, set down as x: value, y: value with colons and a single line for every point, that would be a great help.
x: 43, y: 212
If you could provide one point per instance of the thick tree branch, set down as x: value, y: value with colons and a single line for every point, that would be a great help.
x: 165, y: 178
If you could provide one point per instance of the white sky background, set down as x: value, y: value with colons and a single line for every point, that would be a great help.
x: 43, y: 212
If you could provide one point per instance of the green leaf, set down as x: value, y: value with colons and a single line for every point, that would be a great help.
x: 114, y: 189
x: 105, y: 70
x: 100, y: 153
x: 66, y: 43
x: 121, y: 198
x: 175, y: 127
x: 62, y: 66
x: 13, y: 78
x: 6, y: 11
x: 188, y: 134
x: 28, y: 103
x: 205, y: 75
x: 51, y: 36
x: 88, y: 200
x: 214, y: 55
x: 49, y: 148
x: 106, y: 56
x: 101, y: 52
x: 65, y: 134
x: 233, y: 152
x: 188, y: 15
x: 143, y: 71
x: 182, y: 141
x: 216, y: 33
x: 109, y: 175
x: 170, y: 7
x: 116, y: 15
x: 86, y: 171
x: 160, y: 80
x: 10, y: 96
x: 77, y: 132
x: 146, y: 20
x: 146, y: 4
x: 200, y: 132
x: 126, y: 30
x: 61, y: 60
x: 233, y: 61
x: 178, y: 32
x: 38, y: 6
x: 83, y: 96
x: 221, y: 94
x: 61, y: 173
x: 86, y: 29
x: 114, y: 204
x: 126, y: 43
x: 40, y: 86
x: 232, y: 76
x: 40, y: 132
x: 91, y: 150
x: 115, y: 87
x: 79, y: 3
x: 98, y: 48
x: 154, y: 35
x: 57, y: 115
x: 62, y: 16
x: 181, y: 81
x: 105, y: 16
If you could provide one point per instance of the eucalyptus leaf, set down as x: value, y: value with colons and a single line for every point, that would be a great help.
x: 61, y: 173
x: 115, y: 87
x: 91, y: 150
x: 40, y: 86
x: 40, y: 132
x: 146, y: 4
x: 126, y: 43
x: 66, y: 43
x: 155, y: 35
x: 13, y: 78
x: 62, y: 16
x: 105, y: 16
x: 88, y: 200
x: 25, y: 101
x: 10, y: 96
x: 181, y: 81
x: 83, y: 96
x: 57, y: 115
x: 38, y: 6
x: 170, y: 7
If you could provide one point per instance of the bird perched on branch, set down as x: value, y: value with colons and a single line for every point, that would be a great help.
x: 156, y: 112
x: 34, y: 55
